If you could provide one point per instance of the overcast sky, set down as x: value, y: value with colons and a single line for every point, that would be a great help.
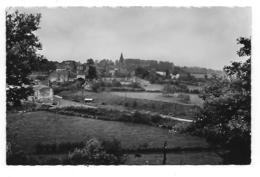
x: 204, y: 37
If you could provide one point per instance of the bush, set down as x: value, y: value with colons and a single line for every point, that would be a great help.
x: 141, y: 118
x: 96, y: 153
x: 156, y: 119
x: 184, y: 97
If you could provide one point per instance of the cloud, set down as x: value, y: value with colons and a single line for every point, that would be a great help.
x: 185, y: 36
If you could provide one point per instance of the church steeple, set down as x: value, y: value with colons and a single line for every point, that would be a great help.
x: 121, y: 60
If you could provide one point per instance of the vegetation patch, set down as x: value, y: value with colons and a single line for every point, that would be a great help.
x: 92, y: 152
x: 115, y: 115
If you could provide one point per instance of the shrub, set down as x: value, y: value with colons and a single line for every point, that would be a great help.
x: 156, y: 119
x: 96, y: 153
x: 141, y: 118
x: 184, y: 97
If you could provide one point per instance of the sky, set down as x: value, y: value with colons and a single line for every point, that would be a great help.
x: 204, y: 37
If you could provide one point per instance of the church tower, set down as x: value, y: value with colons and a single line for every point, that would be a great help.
x: 121, y: 60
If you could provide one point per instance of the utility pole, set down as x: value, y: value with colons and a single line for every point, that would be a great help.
x: 164, y: 152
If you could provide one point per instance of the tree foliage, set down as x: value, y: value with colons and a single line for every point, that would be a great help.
x: 42, y: 64
x: 97, y: 153
x: 225, y: 119
x: 92, y: 71
x: 21, y: 47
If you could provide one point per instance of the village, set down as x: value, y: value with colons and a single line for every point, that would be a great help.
x: 142, y: 89
x: 100, y: 92
x: 127, y: 75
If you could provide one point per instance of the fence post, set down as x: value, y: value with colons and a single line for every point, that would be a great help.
x: 164, y: 152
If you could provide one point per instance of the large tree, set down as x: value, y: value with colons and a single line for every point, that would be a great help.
x: 92, y: 71
x: 21, y: 47
x: 225, y: 119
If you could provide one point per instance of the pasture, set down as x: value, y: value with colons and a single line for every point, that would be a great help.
x: 147, y: 101
x: 157, y: 96
x: 25, y: 130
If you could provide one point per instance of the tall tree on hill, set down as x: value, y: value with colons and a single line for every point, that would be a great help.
x: 21, y: 47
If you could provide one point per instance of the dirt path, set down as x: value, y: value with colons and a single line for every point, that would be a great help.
x: 176, y: 118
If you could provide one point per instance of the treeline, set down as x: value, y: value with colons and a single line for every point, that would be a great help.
x: 42, y: 64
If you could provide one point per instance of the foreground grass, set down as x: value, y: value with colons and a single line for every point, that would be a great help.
x: 29, y: 129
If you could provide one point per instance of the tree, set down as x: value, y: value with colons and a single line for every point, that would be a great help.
x: 42, y: 64
x: 225, y: 119
x: 21, y: 47
x: 90, y: 61
x: 92, y: 72
x: 141, y: 72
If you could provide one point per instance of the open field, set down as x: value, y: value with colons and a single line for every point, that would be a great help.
x: 157, y: 96
x: 118, y: 100
x: 28, y: 129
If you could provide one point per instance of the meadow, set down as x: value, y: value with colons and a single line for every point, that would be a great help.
x: 147, y: 101
x: 25, y: 130
x: 157, y: 96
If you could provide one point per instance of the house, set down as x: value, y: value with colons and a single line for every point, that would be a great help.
x: 81, y: 68
x: 43, y: 94
x: 70, y: 65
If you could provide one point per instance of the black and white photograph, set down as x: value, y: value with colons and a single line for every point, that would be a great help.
x: 128, y: 86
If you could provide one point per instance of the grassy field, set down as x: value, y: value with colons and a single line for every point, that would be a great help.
x: 123, y: 100
x: 157, y: 96
x: 28, y: 129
